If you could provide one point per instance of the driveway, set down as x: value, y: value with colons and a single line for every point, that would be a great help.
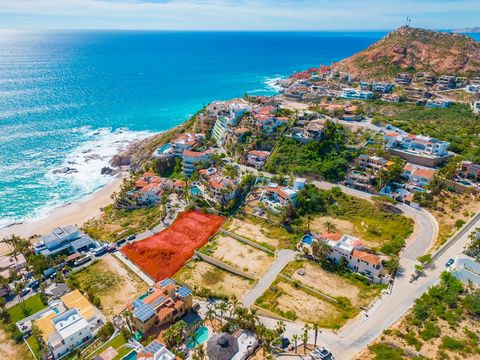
x: 283, y: 258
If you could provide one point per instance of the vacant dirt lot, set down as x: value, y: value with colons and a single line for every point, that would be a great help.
x: 252, y: 231
x: 11, y: 350
x: 334, y: 285
x: 343, y: 226
x: 113, y: 283
x: 307, y: 307
x: 242, y: 256
x: 204, y: 275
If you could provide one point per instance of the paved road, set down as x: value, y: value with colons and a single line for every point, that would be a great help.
x: 283, y: 258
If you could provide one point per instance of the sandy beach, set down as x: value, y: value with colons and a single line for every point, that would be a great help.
x: 74, y: 213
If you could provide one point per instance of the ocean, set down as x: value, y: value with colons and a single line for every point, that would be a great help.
x: 75, y: 98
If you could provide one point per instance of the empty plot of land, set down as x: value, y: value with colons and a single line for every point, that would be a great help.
x: 252, y: 231
x: 206, y: 276
x: 113, y: 283
x: 242, y: 256
x: 10, y: 350
x: 317, y: 225
x: 335, y: 285
x: 307, y: 307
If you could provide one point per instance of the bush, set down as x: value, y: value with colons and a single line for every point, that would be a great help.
x: 384, y: 351
x: 452, y: 344
x: 412, y: 340
x: 430, y: 331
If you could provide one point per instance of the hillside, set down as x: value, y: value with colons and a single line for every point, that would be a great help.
x: 410, y: 50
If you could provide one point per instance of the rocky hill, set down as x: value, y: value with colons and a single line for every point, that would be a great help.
x: 412, y: 50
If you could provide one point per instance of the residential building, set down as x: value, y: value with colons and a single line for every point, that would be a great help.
x: 10, y: 263
x: 418, y: 175
x: 360, y: 180
x: 276, y: 196
x: 466, y: 269
x: 418, y: 149
x: 68, y: 239
x: 372, y: 162
x: 257, y: 158
x: 472, y: 89
x: 186, y: 141
x: 192, y: 159
x: 164, y: 306
x: 476, y: 107
x: 150, y: 188
x: 237, y: 346
x: 390, y: 97
x: 447, y: 82
x: 437, y: 104
x: 153, y: 351
x: 313, y: 130
x: 350, y: 249
x: 469, y: 170
x: 403, y: 79
x: 355, y: 94
x: 70, y: 329
x: 221, y: 188
x: 382, y: 87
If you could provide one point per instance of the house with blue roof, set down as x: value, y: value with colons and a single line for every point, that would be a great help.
x: 166, y: 304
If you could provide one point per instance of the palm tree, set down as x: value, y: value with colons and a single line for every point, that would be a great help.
x: 210, y: 315
x: 316, y: 328
x: 309, y: 218
x: 305, y: 337
x: 223, y: 308
x: 331, y: 227
x: 18, y: 292
x: 199, y: 353
x: 128, y: 318
x: 280, y: 328
x: 295, y: 339
x: 321, y: 250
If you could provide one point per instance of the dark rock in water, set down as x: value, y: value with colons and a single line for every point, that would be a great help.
x: 108, y: 171
x: 65, y: 170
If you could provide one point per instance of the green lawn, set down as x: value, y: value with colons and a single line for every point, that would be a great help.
x: 33, y: 343
x: 117, y: 343
x: 30, y: 306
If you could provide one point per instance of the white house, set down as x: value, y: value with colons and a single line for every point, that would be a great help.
x: 466, y: 269
x: 257, y: 158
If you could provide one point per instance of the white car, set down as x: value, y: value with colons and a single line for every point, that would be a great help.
x: 321, y: 353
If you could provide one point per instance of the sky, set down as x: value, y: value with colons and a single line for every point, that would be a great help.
x: 238, y: 14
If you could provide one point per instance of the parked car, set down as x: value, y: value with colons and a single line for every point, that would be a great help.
x: 120, y: 242
x: 100, y: 250
x: 284, y: 343
x: 33, y: 284
x: 131, y: 237
x: 449, y: 262
x: 25, y: 291
x: 82, y: 260
x: 321, y: 353
x: 112, y: 248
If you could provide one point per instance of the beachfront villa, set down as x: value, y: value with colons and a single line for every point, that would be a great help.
x: 351, y: 250
x: 192, y: 159
x: 181, y: 143
x: 150, y: 188
x: 165, y: 305
x: 257, y: 158
x: 417, y: 149
x: 69, y: 239
x: 10, y: 263
x: 64, y: 331
x: 227, y: 115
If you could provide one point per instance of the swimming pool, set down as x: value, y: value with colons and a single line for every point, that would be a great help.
x: 165, y: 149
x: 307, y: 239
x: 132, y: 355
x: 200, y: 336
x: 195, y: 190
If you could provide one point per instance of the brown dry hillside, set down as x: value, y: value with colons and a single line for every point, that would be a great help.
x: 411, y: 50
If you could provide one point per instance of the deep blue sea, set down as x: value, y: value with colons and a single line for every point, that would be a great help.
x: 75, y: 98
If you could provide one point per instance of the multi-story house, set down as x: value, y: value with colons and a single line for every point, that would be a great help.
x: 257, y: 158
x: 355, y: 94
x: 165, y: 305
x: 10, y: 263
x: 418, y: 175
x: 382, y: 87
x: 192, y: 159
x: 403, y: 79
x: 69, y: 239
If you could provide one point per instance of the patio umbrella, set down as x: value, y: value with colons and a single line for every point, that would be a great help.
x: 222, y: 347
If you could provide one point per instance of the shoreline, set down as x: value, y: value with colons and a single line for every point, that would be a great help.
x: 77, y: 212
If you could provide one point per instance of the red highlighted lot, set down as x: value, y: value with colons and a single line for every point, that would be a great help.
x: 163, y: 254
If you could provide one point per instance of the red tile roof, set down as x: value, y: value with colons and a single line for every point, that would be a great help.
x: 365, y: 256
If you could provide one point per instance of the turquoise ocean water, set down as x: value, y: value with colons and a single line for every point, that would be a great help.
x: 75, y: 98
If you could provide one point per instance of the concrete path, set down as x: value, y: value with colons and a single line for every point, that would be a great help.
x: 148, y: 280
x: 283, y: 258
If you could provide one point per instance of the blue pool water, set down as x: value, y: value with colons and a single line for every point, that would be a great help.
x: 307, y: 239
x: 195, y: 190
x: 130, y: 356
x: 201, y: 335
x: 164, y: 148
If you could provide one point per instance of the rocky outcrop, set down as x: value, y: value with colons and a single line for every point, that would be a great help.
x: 412, y: 50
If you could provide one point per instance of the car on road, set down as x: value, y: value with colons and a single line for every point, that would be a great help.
x: 25, y: 291
x: 131, y: 237
x: 101, y: 250
x: 33, y: 284
x: 449, y: 262
x: 120, y: 242
x: 321, y: 353
x: 284, y: 343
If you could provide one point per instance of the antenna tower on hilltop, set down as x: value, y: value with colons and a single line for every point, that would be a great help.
x: 408, y: 22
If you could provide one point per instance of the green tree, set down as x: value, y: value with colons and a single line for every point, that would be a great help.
x: 321, y: 250
x: 331, y: 227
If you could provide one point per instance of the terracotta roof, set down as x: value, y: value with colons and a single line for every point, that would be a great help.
x: 164, y: 312
x: 259, y: 153
x: 424, y: 173
x: 193, y: 153
x: 392, y: 134
x: 180, y: 183
x: 363, y: 255
x: 278, y: 191
x: 335, y: 236
x: 409, y: 167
